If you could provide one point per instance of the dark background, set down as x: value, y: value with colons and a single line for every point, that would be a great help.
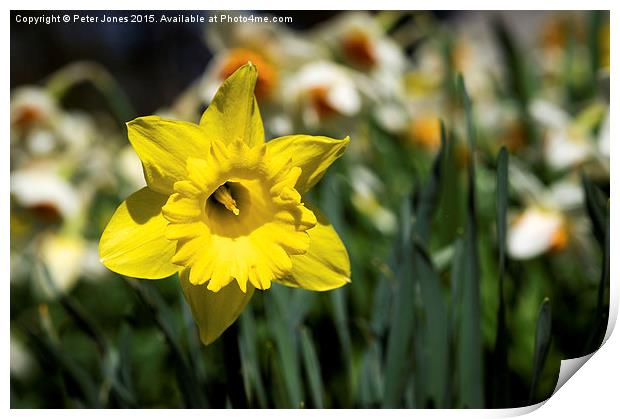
x: 173, y: 55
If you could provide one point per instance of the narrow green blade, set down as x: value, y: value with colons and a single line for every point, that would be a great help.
x: 469, y: 359
x: 399, y: 346
x: 432, y: 354
x: 542, y: 344
x: 595, y: 204
x: 429, y: 195
x: 250, y: 366
x: 284, y: 337
x: 312, y: 368
x: 78, y: 382
x: 187, y: 379
x: 431, y: 340
x: 519, y: 77
x: 594, y: 47
x: 500, y: 354
x: 602, y: 307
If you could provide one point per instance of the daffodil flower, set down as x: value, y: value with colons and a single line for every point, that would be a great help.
x: 224, y: 208
x: 536, y: 231
x: 549, y: 223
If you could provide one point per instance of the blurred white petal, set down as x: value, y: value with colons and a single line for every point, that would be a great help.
x: 41, y: 185
x: 603, y: 138
x: 41, y: 142
x: 333, y: 82
x: 392, y: 117
x: 565, y: 195
x: 533, y: 233
x: 549, y: 115
x: 564, y: 150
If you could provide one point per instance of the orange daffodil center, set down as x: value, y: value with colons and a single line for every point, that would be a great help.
x: 238, y: 217
x: 225, y: 209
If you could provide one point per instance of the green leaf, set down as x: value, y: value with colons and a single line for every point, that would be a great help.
x: 371, y: 383
x: 449, y: 213
x: 595, y: 19
x: 79, y: 383
x: 188, y: 381
x: 82, y: 319
x: 469, y: 358
x: 518, y: 75
x: 108, y: 356
x: 194, y: 345
x: 284, y: 337
x: 595, y: 204
x: 431, y: 340
x: 371, y: 376
x: 542, y: 344
x: 500, y: 354
x: 429, y: 196
x: 502, y: 205
x: 602, y: 308
x: 312, y: 368
x: 432, y: 334
x: 250, y: 366
x: 399, y: 345
x: 331, y: 203
x: 123, y: 383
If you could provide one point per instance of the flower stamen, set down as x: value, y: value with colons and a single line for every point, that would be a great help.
x: 223, y: 196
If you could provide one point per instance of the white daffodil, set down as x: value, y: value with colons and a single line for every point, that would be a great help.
x: 568, y: 141
x: 40, y: 187
x: 564, y: 195
x: 323, y: 90
x: 552, y: 218
x: 567, y: 148
x: 31, y: 105
x: 536, y: 231
x: 358, y: 40
x: 33, y: 115
x: 77, y: 132
x: 41, y: 129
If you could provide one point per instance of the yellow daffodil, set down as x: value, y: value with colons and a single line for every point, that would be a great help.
x: 225, y: 209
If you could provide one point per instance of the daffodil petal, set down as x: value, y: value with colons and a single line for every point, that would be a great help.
x: 312, y: 153
x: 233, y: 113
x: 164, y: 146
x: 325, y: 265
x: 214, y: 312
x: 133, y: 243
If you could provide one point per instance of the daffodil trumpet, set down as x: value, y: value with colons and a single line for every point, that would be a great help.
x: 225, y: 209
